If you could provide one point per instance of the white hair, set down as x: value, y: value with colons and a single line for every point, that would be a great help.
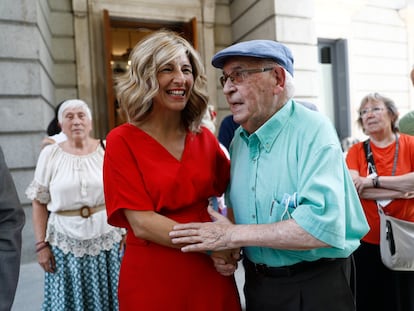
x: 289, y: 85
x: 74, y: 103
x: 289, y: 88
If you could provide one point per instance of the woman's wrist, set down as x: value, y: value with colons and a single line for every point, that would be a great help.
x: 375, y: 182
x: 41, y: 245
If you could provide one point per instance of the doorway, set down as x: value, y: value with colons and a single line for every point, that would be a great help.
x: 334, y: 84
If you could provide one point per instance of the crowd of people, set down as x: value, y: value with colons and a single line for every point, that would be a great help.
x: 130, y: 222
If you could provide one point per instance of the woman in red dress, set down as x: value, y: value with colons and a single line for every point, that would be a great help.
x: 160, y: 169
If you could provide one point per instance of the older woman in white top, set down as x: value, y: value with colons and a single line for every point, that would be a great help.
x: 75, y: 246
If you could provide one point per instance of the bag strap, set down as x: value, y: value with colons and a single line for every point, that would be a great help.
x: 370, y: 157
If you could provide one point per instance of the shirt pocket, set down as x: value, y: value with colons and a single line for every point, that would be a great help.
x: 282, y: 207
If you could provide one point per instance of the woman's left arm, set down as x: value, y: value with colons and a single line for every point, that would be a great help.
x: 388, y: 187
x: 382, y: 194
x: 403, y: 183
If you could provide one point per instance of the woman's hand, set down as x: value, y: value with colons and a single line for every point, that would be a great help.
x: 361, y: 183
x: 122, y: 246
x: 408, y: 195
x: 46, y: 260
x: 225, y: 261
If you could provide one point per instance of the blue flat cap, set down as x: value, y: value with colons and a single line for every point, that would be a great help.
x: 256, y: 48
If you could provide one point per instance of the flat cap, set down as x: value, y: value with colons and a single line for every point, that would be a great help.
x: 268, y: 49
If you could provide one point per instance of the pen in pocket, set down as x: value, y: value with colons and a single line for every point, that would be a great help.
x: 271, y: 208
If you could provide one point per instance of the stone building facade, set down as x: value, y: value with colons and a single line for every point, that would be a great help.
x: 56, y: 49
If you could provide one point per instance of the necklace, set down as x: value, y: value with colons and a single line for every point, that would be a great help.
x: 370, y: 158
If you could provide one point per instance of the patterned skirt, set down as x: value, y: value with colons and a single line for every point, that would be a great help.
x: 88, y: 283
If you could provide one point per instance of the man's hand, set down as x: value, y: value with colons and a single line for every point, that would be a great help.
x: 206, y: 236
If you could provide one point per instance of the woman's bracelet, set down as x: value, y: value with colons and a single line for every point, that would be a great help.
x: 43, y: 246
x: 40, y: 242
x: 375, y: 182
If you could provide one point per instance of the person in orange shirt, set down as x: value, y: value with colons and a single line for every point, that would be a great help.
x: 377, y: 287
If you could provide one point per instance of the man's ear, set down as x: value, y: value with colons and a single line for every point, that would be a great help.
x: 280, y: 76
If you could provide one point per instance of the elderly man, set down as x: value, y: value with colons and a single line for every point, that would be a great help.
x: 298, y: 216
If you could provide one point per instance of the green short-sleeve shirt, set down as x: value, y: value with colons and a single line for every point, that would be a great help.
x: 293, y: 167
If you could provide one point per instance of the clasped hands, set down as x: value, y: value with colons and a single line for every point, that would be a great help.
x: 214, y: 237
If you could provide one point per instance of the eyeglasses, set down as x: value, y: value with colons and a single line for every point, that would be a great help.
x: 237, y: 76
x: 375, y: 110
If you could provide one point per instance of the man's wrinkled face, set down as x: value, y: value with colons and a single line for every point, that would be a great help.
x: 250, y: 88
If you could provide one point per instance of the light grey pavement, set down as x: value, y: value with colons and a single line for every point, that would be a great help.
x: 29, y: 294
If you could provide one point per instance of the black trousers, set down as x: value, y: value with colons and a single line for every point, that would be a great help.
x: 321, y: 287
x: 379, y: 288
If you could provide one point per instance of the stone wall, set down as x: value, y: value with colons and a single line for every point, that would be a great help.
x: 37, y: 70
x: 289, y: 22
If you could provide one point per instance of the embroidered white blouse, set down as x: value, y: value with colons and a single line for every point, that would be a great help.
x: 64, y: 181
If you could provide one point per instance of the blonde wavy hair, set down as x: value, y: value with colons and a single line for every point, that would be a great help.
x: 139, y: 85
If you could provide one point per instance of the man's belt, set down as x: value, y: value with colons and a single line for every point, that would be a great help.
x: 84, y: 211
x: 286, y: 271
